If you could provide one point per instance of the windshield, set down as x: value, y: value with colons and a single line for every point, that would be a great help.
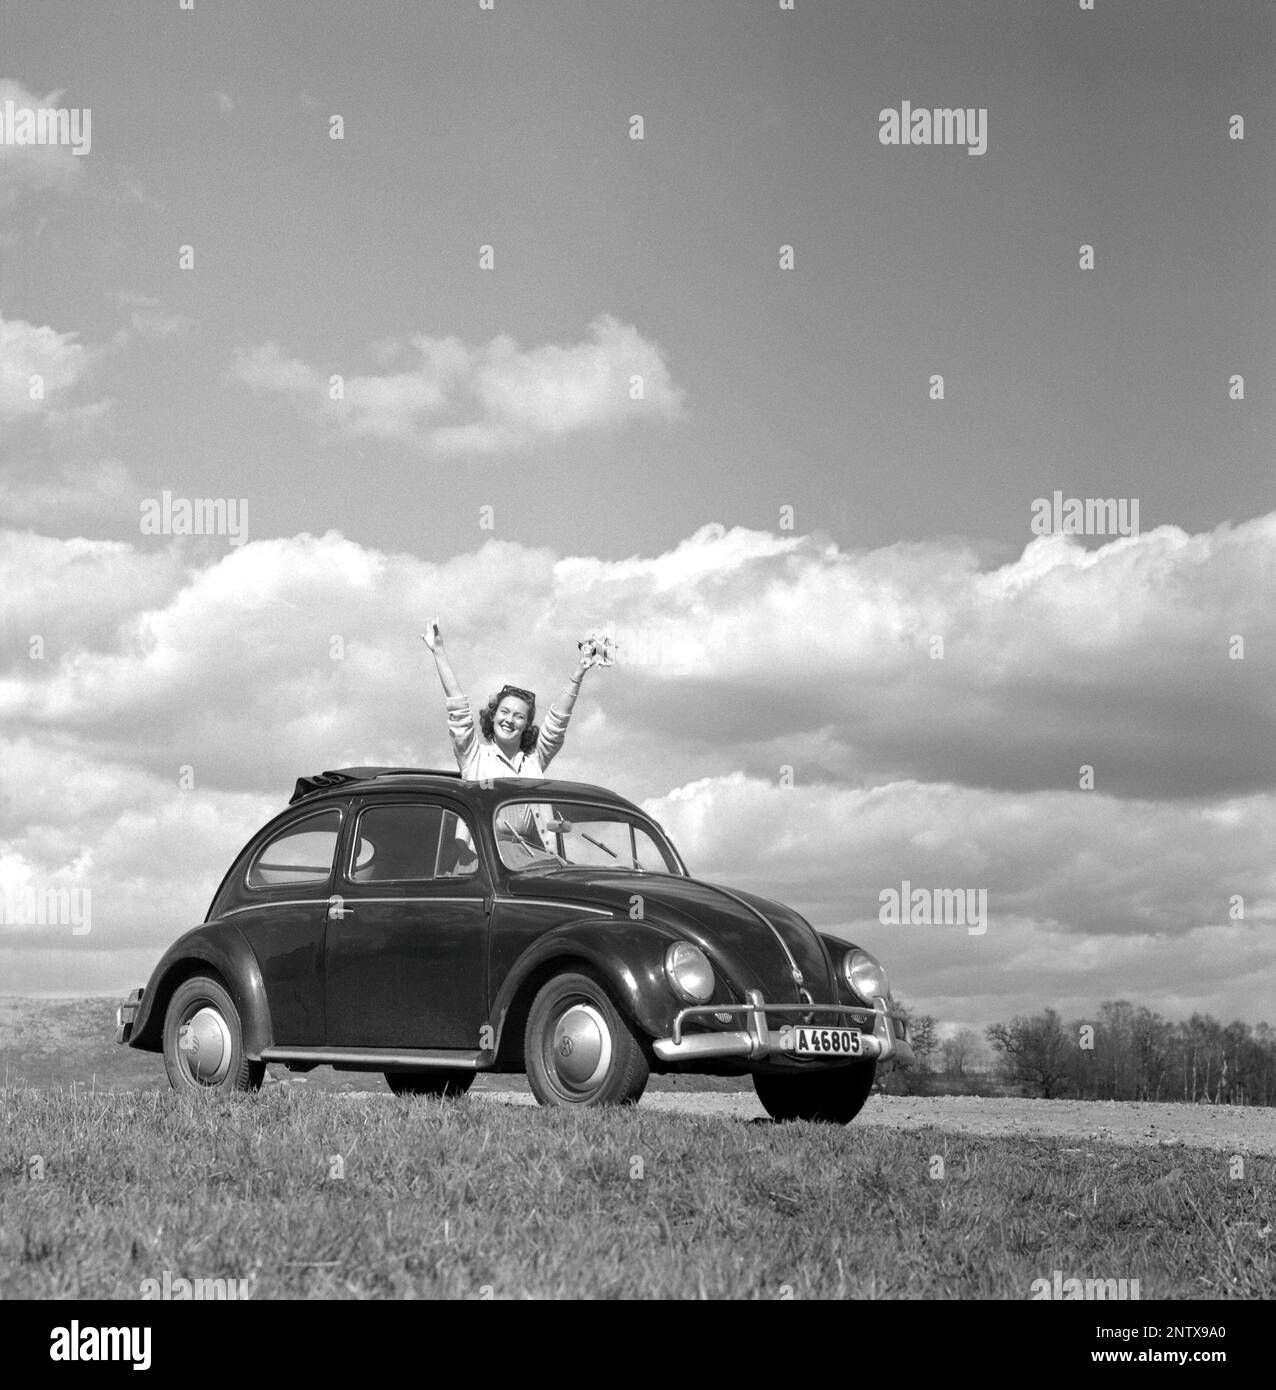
x: 553, y: 835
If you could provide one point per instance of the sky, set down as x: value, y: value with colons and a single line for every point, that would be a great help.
x: 550, y: 317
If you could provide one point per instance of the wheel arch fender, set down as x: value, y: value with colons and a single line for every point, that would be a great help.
x: 837, y: 948
x: 628, y: 957
x: 222, y: 952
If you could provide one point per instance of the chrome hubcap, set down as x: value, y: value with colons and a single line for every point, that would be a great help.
x: 581, y: 1047
x: 204, y: 1046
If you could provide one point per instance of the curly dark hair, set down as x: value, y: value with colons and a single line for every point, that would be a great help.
x: 487, y: 721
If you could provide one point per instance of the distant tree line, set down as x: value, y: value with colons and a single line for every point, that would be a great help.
x: 1127, y: 1052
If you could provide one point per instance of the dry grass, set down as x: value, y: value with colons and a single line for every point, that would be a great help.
x: 473, y: 1199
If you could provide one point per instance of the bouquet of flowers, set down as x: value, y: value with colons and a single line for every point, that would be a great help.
x: 597, y: 649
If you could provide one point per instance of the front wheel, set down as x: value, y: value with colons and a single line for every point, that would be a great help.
x: 448, y: 1084
x: 578, y: 1050
x: 204, y: 1040
x: 834, y: 1097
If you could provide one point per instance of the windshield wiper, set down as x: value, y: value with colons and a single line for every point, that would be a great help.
x: 598, y: 843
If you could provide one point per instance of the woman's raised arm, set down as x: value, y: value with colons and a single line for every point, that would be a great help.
x: 433, y: 638
x: 554, y: 729
x: 567, y: 699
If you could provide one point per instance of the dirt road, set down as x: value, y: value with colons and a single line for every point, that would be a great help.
x: 1228, y: 1128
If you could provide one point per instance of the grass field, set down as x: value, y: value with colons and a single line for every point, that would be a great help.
x: 475, y: 1199
x: 59, y: 1043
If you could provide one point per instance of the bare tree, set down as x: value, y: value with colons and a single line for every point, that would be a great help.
x: 1136, y: 1055
x: 924, y: 1039
x: 964, y: 1049
x: 1035, y: 1052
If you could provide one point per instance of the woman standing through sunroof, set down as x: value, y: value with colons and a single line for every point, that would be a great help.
x: 510, y: 744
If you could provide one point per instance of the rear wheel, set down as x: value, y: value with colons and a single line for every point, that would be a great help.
x: 204, y: 1040
x: 834, y: 1096
x: 448, y: 1084
x: 578, y: 1049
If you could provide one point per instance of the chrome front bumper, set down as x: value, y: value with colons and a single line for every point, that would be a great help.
x: 126, y: 1015
x: 756, y: 1041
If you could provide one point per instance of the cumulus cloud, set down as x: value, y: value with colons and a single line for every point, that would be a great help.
x: 38, y: 366
x: 77, y: 597
x: 1085, y: 894
x: 148, y: 852
x: 741, y: 649
x: 1064, y: 861
x: 1125, y: 659
x: 31, y: 167
x: 76, y: 492
x: 441, y: 396
x: 746, y: 658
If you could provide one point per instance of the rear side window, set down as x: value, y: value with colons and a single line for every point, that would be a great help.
x: 394, y: 843
x: 301, y: 854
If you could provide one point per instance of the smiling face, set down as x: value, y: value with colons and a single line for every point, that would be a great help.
x: 508, y: 723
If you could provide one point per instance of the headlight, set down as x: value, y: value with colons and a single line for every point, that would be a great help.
x: 689, y: 972
x: 865, y: 976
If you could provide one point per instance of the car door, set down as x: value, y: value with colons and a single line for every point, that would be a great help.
x: 407, y: 938
x: 281, y: 909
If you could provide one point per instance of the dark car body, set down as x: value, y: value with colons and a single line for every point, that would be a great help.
x: 436, y: 973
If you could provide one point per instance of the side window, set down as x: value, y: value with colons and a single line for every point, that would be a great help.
x: 301, y: 854
x: 415, y: 842
x: 458, y: 857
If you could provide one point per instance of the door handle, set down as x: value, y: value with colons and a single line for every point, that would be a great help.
x: 337, y: 910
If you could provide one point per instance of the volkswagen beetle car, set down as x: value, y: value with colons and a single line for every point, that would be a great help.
x: 429, y: 928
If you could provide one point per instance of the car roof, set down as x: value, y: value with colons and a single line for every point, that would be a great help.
x: 348, y: 780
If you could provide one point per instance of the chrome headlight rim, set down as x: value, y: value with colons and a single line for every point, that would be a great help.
x: 689, y: 972
x: 865, y: 976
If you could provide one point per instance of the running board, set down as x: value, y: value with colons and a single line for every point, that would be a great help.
x: 376, y: 1059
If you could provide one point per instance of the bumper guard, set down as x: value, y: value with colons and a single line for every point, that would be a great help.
x: 126, y: 1015
x: 756, y: 1041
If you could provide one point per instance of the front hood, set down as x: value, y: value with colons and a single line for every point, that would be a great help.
x: 758, y: 942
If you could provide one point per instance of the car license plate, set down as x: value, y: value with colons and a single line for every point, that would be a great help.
x: 822, y: 1042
